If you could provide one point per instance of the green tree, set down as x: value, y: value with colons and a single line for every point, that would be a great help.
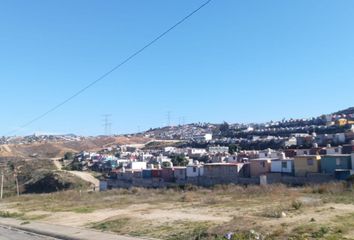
x: 180, y: 160
x: 233, y: 148
x: 166, y: 164
x: 68, y: 155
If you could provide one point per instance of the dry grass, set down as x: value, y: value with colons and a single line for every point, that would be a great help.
x: 204, y: 213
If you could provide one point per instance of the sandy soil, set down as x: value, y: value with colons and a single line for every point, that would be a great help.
x: 141, y: 212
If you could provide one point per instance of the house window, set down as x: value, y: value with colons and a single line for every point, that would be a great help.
x: 309, y: 162
x: 194, y: 169
x: 337, y: 161
x: 262, y: 164
x: 284, y: 164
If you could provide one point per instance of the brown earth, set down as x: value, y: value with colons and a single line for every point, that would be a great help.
x: 58, y: 149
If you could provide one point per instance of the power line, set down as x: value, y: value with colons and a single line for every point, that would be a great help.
x: 110, y: 71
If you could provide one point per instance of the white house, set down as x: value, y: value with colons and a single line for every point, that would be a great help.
x: 195, y: 170
x: 282, y: 166
x: 232, y: 159
x: 334, y: 150
x: 170, y: 149
x: 267, y: 153
x: 203, y: 137
x: 218, y: 149
x: 137, y: 165
x: 292, y: 141
x: 196, y: 151
x: 161, y: 158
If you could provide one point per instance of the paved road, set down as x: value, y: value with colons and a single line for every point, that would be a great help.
x: 56, y: 231
x: 7, y: 233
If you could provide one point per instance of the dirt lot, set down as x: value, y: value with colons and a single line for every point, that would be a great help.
x: 272, y: 212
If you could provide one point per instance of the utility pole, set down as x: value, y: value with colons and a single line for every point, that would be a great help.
x: 169, y: 119
x: 107, y: 124
x: 16, y: 180
x: 17, y: 188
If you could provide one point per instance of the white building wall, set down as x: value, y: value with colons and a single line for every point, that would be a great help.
x: 208, y: 137
x: 276, y: 166
x: 138, y: 165
x: 195, y: 170
x: 219, y: 149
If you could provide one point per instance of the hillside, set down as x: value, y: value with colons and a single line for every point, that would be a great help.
x: 36, y: 176
x: 58, y: 149
x: 345, y: 111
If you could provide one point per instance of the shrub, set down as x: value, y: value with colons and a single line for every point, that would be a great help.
x: 320, y: 233
x: 296, y: 204
x: 273, y: 212
x: 7, y: 214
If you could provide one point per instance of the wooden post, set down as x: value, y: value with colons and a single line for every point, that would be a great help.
x: 17, y: 188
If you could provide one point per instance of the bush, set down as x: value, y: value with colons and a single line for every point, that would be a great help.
x: 296, y: 204
x: 329, y: 188
x: 320, y: 233
x: 7, y: 214
x: 273, y: 212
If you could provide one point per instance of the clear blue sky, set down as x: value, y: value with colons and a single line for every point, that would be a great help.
x: 238, y: 61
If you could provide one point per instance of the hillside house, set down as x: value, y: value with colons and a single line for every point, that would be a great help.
x: 284, y: 166
x: 137, y: 165
x: 306, y: 164
x: 226, y: 171
x: 218, y: 149
x: 330, y: 163
x: 260, y: 166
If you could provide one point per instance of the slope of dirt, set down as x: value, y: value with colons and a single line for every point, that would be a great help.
x: 52, y: 181
x: 58, y: 149
x: 5, y: 151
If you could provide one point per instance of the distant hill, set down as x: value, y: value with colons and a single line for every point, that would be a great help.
x: 346, y: 111
x: 58, y: 149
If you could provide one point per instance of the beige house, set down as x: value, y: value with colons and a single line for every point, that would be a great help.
x: 260, y: 166
x: 306, y: 164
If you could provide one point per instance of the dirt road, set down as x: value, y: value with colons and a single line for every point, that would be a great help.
x: 86, y: 176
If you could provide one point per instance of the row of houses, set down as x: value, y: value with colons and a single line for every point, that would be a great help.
x: 305, y: 167
x: 337, y: 165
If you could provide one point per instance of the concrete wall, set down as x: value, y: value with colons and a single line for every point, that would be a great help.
x: 209, y: 181
x: 180, y: 174
x: 222, y: 171
x: 195, y: 170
